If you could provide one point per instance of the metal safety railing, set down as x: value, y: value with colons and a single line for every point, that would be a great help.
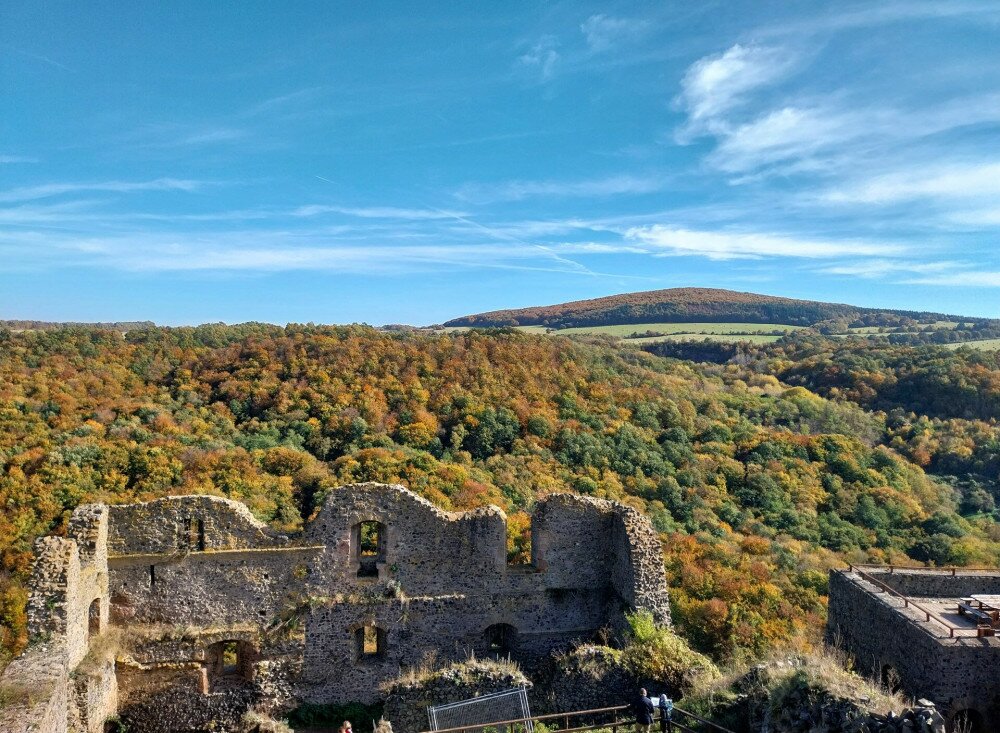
x: 952, y: 570
x: 619, y: 719
x: 907, y: 602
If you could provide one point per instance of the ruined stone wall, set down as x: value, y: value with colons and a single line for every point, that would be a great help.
x: 438, y: 583
x: 181, y: 524
x: 213, y: 587
x: 167, y: 684
x: 427, y: 551
x: 35, y: 687
x: 637, y: 574
x: 450, y: 628
x: 407, y: 700
x: 880, y: 632
x: 68, y: 610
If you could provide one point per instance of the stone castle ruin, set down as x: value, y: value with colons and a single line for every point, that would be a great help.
x: 223, y: 614
x: 926, y: 632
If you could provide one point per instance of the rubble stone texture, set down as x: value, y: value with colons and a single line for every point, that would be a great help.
x: 223, y: 613
x: 891, y: 640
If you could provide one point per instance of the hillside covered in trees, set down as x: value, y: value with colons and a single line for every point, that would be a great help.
x: 691, y: 305
x: 757, y: 484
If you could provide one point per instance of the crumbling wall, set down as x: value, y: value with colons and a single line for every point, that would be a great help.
x: 213, y: 587
x: 581, y: 542
x: 427, y: 551
x: 182, y: 524
x: 67, y: 610
x: 438, y: 582
x: 35, y: 690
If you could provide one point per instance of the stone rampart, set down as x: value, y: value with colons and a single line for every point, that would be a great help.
x: 892, y: 641
x: 224, y: 613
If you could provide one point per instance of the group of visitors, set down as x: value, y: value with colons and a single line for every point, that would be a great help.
x: 645, y: 712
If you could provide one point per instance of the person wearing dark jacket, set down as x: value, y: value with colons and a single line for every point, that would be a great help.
x: 642, y: 706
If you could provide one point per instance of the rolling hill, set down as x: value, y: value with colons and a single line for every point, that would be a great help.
x: 691, y: 305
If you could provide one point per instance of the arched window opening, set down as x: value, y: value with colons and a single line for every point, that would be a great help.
x: 369, y: 543
x: 967, y: 721
x: 94, y: 617
x: 370, y: 643
x: 891, y: 680
x: 196, y: 535
x: 228, y: 661
x: 501, y: 640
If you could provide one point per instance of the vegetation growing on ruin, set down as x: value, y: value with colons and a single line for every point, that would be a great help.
x: 756, y: 488
x: 653, y: 653
x: 790, y: 689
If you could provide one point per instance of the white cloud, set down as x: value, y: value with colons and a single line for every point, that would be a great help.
x: 542, y: 57
x: 716, y: 84
x: 9, y: 159
x: 377, y: 212
x: 603, y: 32
x: 733, y: 245
x: 880, y: 268
x: 598, y: 187
x: 29, y: 193
x: 267, y: 251
x: 956, y: 181
x: 971, y: 279
x: 785, y: 134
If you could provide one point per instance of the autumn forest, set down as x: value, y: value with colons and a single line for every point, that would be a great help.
x: 761, y: 471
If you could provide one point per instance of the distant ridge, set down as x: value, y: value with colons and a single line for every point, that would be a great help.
x: 26, y: 325
x: 690, y: 305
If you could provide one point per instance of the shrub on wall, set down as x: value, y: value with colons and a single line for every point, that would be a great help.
x: 657, y: 654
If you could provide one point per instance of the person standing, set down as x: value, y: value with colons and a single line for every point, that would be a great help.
x: 642, y: 706
x: 666, y: 714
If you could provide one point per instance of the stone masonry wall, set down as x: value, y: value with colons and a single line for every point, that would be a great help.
x: 880, y: 633
x: 170, y: 526
x: 204, y: 568
x: 67, y: 611
x: 427, y: 551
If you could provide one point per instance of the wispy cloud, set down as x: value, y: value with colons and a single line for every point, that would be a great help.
x: 10, y: 159
x: 541, y: 58
x: 377, y: 212
x: 29, y: 193
x: 603, y: 32
x: 955, y: 181
x: 876, y: 269
x: 39, y: 57
x: 263, y: 251
x: 716, y: 84
x: 598, y: 187
x: 969, y: 279
x: 735, y: 245
x: 885, y: 13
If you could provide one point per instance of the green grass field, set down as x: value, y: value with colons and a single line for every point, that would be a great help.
x: 936, y: 326
x: 757, y: 333
x: 983, y: 345
x: 755, y: 338
x: 687, y: 329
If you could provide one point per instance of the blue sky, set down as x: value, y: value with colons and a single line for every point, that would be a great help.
x: 384, y: 162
